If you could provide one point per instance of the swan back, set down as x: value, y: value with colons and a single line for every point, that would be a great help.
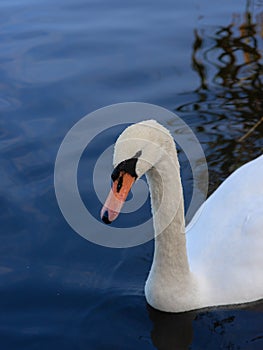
x: 225, y: 239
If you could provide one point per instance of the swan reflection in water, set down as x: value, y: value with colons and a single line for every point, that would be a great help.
x: 224, y: 328
x: 171, y: 331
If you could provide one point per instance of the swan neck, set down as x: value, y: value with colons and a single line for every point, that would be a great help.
x: 168, y: 217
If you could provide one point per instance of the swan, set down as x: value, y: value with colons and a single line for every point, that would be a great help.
x: 218, y: 258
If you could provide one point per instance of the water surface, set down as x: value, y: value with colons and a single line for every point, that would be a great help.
x: 61, y: 60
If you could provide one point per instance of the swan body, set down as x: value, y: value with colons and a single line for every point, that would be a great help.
x: 217, y: 259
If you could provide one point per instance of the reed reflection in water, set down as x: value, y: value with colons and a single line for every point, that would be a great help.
x: 228, y: 61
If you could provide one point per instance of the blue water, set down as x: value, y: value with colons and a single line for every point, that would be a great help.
x: 60, y: 60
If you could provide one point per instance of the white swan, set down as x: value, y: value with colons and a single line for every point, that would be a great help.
x: 220, y: 259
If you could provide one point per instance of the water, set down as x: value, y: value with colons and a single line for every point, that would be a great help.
x: 61, y: 60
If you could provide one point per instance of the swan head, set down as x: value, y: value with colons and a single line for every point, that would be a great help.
x: 138, y: 149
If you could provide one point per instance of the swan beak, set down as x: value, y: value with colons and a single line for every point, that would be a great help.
x: 116, y: 198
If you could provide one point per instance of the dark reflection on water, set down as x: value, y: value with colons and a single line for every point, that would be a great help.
x: 228, y: 101
x: 171, y: 331
x: 214, y: 329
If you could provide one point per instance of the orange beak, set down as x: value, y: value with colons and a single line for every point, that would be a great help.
x: 117, y: 196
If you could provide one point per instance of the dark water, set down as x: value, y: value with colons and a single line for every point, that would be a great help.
x: 60, y: 60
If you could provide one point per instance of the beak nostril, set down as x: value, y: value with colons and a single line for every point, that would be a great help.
x: 105, y: 218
